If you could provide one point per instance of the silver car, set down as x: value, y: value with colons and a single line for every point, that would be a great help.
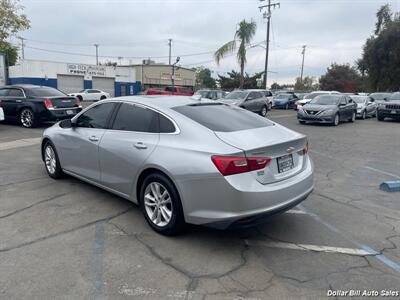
x: 366, y: 106
x: 183, y: 160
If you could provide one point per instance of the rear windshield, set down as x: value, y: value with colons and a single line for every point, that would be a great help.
x: 44, y: 92
x: 221, y: 117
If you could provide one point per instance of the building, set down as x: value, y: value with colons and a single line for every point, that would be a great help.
x: 116, y: 80
x: 72, y: 77
x: 159, y: 75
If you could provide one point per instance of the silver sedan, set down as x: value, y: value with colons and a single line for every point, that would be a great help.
x: 183, y: 160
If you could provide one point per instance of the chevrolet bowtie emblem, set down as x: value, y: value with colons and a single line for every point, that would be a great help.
x: 290, y: 150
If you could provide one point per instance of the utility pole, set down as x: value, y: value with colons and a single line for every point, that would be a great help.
x: 22, y: 47
x: 97, y: 53
x: 170, y: 45
x: 267, y: 15
x: 302, y: 64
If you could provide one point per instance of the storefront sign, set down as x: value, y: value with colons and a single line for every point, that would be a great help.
x: 79, y: 69
x: 168, y: 76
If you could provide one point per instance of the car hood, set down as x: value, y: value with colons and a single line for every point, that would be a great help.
x: 319, y: 107
x: 361, y: 105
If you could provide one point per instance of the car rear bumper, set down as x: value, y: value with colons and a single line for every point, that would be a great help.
x: 59, y: 114
x: 221, y: 202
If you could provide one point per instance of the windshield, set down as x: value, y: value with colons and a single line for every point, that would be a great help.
x: 282, y: 96
x: 44, y: 92
x: 313, y: 95
x: 358, y: 99
x: 326, y: 100
x: 236, y: 95
x: 222, y: 117
x: 380, y: 96
x: 395, y: 97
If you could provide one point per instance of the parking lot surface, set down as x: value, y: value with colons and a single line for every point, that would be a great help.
x: 68, y: 240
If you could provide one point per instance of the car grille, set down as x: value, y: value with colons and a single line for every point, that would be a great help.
x: 392, y: 106
x: 312, y: 112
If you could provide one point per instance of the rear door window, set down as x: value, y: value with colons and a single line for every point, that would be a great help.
x: 16, y: 93
x: 221, y: 117
x: 3, y: 92
x: 136, y: 118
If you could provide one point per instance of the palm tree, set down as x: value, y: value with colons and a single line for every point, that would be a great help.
x: 243, y: 35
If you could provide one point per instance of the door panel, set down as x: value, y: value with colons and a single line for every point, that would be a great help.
x: 12, y: 102
x: 122, y: 154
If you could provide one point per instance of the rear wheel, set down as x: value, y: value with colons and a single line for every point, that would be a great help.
x: 51, y: 161
x: 80, y: 98
x: 103, y: 97
x: 161, y: 205
x: 264, y: 111
x: 364, y: 115
x: 27, y: 118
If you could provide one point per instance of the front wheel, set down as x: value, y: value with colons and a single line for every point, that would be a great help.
x: 353, y: 117
x: 264, y: 111
x: 287, y: 106
x: 161, y: 205
x: 336, y: 120
x: 51, y: 161
x: 364, y: 115
x: 27, y: 118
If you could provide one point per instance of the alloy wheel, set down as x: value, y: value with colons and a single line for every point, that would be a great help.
x: 264, y: 111
x: 27, y: 118
x: 158, y: 204
x: 336, y: 121
x: 50, y: 159
x: 364, y: 115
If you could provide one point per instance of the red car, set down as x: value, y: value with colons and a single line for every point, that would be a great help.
x: 171, y: 90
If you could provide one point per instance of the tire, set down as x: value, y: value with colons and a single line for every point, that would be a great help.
x: 287, y: 106
x: 51, y: 161
x: 264, y: 111
x: 152, y: 189
x: 379, y: 117
x: 364, y: 115
x: 353, y: 117
x: 336, y: 121
x: 27, y: 118
x: 103, y: 97
x: 80, y: 98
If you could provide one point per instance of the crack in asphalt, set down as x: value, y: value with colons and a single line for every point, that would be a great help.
x: 43, y: 238
x: 23, y: 181
x: 32, y: 205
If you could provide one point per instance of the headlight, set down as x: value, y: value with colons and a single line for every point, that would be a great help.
x: 382, y: 105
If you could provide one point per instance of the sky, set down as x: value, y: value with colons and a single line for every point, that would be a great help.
x: 128, y: 31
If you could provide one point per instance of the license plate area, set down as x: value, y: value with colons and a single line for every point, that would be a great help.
x: 70, y: 112
x: 285, y: 163
x: 393, y: 111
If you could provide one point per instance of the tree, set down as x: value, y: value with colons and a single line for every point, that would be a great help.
x: 233, y: 79
x: 341, y: 78
x: 11, y: 22
x: 204, y: 79
x: 380, y: 61
x: 244, y: 34
x: 275, y: 86
x: 306, y: 85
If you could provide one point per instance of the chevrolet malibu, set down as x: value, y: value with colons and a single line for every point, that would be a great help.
x: 183, y: 160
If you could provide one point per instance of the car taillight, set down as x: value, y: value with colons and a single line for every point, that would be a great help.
x: 304, y: 151
x: 48, y: 103
x: 77, y: 101
x: 230, y: 165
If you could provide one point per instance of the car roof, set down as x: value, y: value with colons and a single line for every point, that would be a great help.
x: 157, y: 101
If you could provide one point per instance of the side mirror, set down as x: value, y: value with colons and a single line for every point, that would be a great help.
x: 385, y: 99
x: 249, y: 98
x: 67, y: 124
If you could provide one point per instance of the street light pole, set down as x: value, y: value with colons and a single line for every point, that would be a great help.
x: 173, y: 74
x: 302, y: 63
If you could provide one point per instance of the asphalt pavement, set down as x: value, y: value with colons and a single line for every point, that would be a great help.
x: 69, y: 240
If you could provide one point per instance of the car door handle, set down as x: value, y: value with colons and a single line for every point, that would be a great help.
x: 140, y: 145
x: 93, y: 138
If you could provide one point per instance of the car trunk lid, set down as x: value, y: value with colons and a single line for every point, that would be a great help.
x: 284, y: 147
x: 64, y: 102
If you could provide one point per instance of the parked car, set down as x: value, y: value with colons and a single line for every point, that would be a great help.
x: 328, y: 109
x: 390, y: 108
x: 380, y: 97
x: 32, y: 104
x: 285, y: 100
x: 366, y: 106
x: 211, y: 94
x: 308, y: 97
x: 171, y: 90
x: 90, y: 95
x: 252, y: 100
x: 234, y: 168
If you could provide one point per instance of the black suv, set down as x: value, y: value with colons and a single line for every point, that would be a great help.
x: 390, y: 108
x: 32, y: 104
